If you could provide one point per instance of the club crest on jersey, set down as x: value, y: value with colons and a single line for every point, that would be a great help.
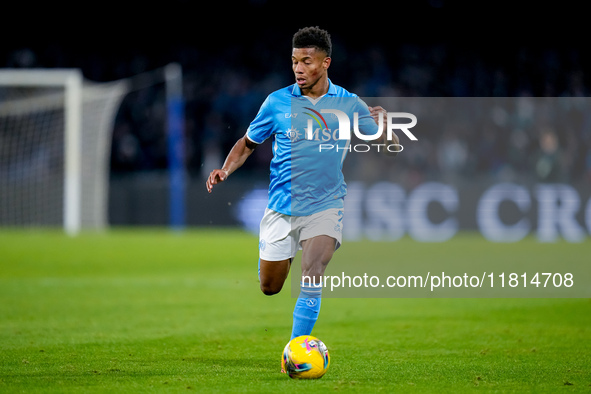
x: 293, y: 134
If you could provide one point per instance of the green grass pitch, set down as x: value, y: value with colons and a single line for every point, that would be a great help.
x: 158, y: 311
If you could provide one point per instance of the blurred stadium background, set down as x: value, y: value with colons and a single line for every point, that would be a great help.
x: 142, y: 307
x: 233, y: 54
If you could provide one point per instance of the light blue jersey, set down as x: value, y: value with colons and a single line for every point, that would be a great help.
x: 304, y: 178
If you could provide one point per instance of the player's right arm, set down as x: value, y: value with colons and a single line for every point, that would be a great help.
x: 259, y: 130
x: 235, y: 159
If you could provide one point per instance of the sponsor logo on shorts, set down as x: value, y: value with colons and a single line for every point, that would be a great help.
x: 262, y: 244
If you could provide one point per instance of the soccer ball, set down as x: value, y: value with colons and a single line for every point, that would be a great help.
x: 305, y: 357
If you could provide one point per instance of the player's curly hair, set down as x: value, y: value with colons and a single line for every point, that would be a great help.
x: 313, y: 37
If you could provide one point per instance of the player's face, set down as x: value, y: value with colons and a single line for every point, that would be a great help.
x: 309, y: 65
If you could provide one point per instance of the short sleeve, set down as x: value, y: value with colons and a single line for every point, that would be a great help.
x: 261, y: 127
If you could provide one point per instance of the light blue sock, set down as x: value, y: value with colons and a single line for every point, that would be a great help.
x: 259, y: 269
x: 306, y: 309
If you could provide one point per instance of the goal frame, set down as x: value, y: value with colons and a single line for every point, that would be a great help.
x: 71, y: 80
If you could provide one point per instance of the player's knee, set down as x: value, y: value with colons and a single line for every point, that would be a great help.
x: 270, y: 289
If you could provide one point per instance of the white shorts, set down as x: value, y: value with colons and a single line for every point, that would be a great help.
x: 281, y: 235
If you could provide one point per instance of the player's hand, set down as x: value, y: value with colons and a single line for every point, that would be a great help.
x: 378, y: 111
x: 215, y: 177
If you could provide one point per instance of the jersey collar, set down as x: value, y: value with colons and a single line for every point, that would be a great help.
x: 332, y: 90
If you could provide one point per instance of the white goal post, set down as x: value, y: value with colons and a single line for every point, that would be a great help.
x: 37, y: 108
x: 55, y: 145
x: 71, y: 81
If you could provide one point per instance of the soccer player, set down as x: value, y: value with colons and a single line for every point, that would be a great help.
x: 307, y: 188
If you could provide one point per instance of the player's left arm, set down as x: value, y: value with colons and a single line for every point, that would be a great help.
x: 377, y: 112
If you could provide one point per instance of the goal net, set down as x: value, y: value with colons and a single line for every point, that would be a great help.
x: 55, y: 136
